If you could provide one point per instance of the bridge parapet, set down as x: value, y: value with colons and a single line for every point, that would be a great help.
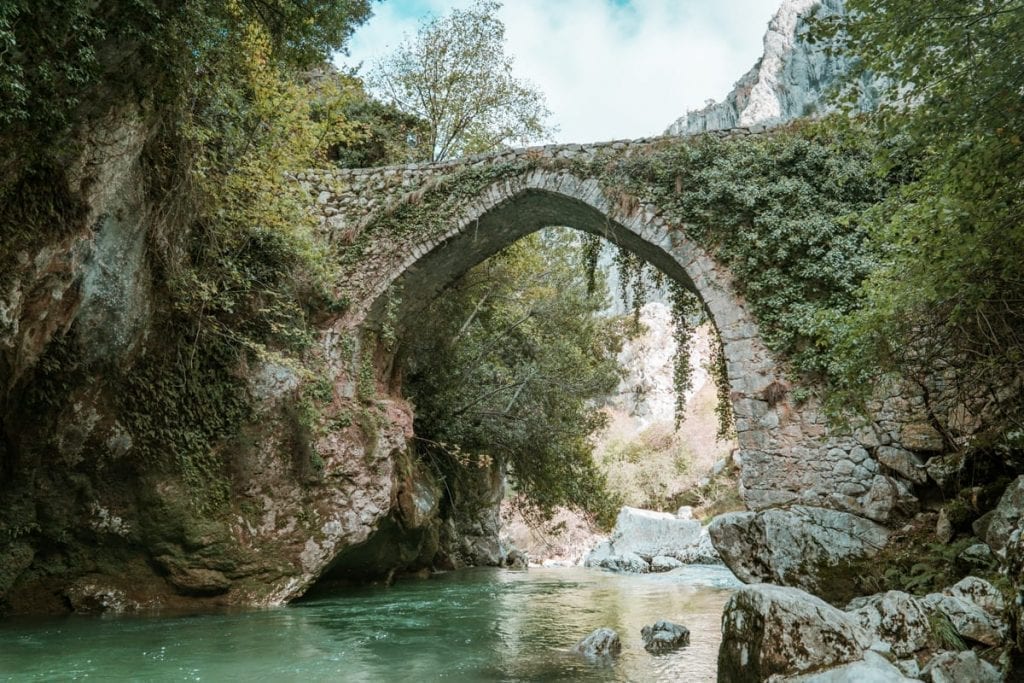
x: 345, y: 196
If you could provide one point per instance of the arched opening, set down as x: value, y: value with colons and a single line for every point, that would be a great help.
x: 510, y: 209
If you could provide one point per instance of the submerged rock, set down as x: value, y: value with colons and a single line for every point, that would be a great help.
x: 602, y: 643
x: 777, y: 631
x: 664, y: 563
x: 792, y: 547
x: 664, y: 636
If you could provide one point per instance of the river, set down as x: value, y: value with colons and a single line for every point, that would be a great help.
x: 471, y: 625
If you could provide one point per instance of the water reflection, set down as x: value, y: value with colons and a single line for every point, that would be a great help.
x: 476, y: 625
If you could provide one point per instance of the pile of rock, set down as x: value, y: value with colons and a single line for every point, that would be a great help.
x: 787, y: 634
x: 645, y: 541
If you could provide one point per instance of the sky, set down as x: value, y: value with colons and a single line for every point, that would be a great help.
x: 610, y: 69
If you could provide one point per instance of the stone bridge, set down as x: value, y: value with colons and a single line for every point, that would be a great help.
x: 405, y: 232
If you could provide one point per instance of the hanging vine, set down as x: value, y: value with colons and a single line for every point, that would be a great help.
x: 719, y: 374
x: 687, y: 315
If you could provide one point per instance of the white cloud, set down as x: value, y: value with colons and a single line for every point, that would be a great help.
x: 608, y: 70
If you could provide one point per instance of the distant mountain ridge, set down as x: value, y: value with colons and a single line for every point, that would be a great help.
x: 792, y: 78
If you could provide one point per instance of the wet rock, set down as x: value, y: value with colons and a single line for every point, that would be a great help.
x: 1006, y: 517
x: 896, y: 618
x: 664, y: 563
x: 791, y: 547
x: 777, y: 631
x: 602, y: 643
x: 960, y: 667
x: 664, y: 636
x: 516, y: 559
x: 189, y: 580
x: 627, y: 562
x: 88, y: 596
x: 874, y: 668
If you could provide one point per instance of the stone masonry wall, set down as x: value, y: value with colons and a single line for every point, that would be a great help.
x: 788, y: 453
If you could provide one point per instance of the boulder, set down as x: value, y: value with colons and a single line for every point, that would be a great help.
x: 1006, y: 517
x: 970, y: 621
x: 945, y: 470
x: 897, y: 619
x: 664, y: 563
x: 791, y: 547
x: 887, y: 498
x: 981, y: 593
x: 981, y: 524
x: 944, y: 527
x: 777, y: 631
x: 516, y: 559
x: 641, y: 535
x: 600, y: 644
x: 977, y: 556
x: 959, y: 667
x: 648, y: 533
x: 903, y: 462
x: 664, y: 636
x: 874, y: 668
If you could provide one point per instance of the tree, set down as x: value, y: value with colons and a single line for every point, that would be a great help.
x: 456, y: 76
x: 511, y: 369
x: 951, y: 283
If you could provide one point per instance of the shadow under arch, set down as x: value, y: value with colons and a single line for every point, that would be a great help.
x: 513, y: 208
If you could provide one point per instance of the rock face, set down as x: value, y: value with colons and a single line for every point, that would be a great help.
x: 601, y: 644
x: 792, y: 547
x: 1006, y: 518
x: 776, y: 631
x: 790, y: 80
x: 644, y: 541
x: 664, y: 636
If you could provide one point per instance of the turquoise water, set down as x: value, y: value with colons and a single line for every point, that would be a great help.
x: 473, y: 625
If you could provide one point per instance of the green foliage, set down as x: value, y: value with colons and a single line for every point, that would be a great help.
x: 950, y: 281
x: 944, y: 633
x: 686, y: 315
x: 456, y: 78
x: 780, y: 212
x: 238, y: 276
x: 66, y: 61
x: 510, y: 367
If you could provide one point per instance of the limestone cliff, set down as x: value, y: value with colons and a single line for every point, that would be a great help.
x: 101, y: 506
x: 792, y: 79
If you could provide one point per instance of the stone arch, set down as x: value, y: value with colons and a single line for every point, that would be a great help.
x: 786, y: 455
